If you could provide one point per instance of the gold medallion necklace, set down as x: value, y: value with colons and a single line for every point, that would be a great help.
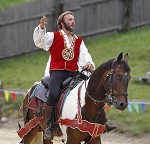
x: 68, y: 53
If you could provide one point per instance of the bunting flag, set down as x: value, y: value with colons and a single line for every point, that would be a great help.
x: 143, y: 106
x: 14, y: 97
x: 6, y: 95
x: 106, y: 108
x: 13, y: 94
x: 129, y: 107
x: 136, y: 104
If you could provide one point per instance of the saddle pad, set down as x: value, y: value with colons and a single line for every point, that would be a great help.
x: 42, y: 93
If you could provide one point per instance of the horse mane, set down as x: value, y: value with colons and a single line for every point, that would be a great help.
x: 108, y: 65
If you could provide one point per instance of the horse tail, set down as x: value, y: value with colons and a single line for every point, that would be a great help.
x: 24, y: 106
x: 25, y: 110
x: 26, y: 102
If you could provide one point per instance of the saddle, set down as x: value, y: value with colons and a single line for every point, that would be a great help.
x: 42, y: 91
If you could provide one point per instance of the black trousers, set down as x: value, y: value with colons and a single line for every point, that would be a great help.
x: 56, y: 79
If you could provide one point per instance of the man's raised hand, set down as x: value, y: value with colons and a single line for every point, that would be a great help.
x: 43, y: 22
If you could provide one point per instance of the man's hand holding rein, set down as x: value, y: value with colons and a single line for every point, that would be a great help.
x: 89, y: 67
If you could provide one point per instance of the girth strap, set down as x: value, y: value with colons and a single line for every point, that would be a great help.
x: 94, y: 129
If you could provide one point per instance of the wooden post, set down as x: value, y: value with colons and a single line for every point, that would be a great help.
x: 127, y: 15
x: 59, y: 9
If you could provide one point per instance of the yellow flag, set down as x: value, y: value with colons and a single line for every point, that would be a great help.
x: 6, y: 95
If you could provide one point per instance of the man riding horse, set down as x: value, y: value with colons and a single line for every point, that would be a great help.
x: 68, y: 55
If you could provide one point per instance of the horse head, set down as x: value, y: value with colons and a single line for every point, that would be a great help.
x: 116, y: 82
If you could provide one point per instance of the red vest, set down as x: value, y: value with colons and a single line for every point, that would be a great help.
x: 57, y: 61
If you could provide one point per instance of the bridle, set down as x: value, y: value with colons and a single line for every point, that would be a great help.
x: 109, y: 87
x: 108, y: 84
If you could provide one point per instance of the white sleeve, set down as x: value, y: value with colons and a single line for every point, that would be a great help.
x: 84, y: 56
x: 47, y: 67
x: 43, y: 39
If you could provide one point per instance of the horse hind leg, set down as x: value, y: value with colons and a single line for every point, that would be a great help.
x: 38, y: 139
x: 30, y: 136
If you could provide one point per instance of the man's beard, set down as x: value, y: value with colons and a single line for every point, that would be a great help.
x: 67, y: 27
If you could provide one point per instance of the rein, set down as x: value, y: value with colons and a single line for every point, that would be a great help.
x: 110, y: 96
x: 94, y: 100
x: 87, y: 93
x: 111, y: 83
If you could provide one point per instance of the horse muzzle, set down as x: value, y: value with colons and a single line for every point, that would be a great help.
x: 120, y: 104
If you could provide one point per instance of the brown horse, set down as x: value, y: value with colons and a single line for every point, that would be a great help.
x: 82, y: 118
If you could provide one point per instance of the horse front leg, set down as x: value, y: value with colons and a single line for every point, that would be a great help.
x: 74, y: 136
x: 94, y: 141
x: 97, y: 140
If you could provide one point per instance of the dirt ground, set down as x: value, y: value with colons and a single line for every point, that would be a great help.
x: 8, y: 135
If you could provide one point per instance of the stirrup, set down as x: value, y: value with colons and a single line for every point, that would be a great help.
x: 110, y: 127
x: 48, y: 133
x: 21, y: 142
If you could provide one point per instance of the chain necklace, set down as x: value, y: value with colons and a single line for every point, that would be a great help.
x: 68, y: 53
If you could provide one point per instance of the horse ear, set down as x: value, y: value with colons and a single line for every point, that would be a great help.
x: 126, y: 57
x: 119, y: 58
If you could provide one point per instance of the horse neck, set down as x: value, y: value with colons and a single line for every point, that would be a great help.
x: 95, y: 86
x: 96, y: 90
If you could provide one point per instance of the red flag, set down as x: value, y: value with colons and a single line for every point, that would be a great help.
x: 106, y: 107
x: 14, y: 97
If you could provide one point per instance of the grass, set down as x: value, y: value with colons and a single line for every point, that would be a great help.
x: 21, y: 72
x: 9, y: 3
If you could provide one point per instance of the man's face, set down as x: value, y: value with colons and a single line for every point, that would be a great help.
x: 69, y: 22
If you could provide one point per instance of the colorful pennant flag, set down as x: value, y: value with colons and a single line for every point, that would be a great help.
x: 129, y: 107
x: 6, y: 95
x: 143, y: 106
x: 106, y: 107
x: 14, y: 97
x: 136, y: 107
x: 12, y: 93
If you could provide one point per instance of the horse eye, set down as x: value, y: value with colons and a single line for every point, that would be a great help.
x: 117, y: 77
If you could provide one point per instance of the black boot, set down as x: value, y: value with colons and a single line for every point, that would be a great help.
x: 109, y: 127
x: 21, y: 142
x: 48, y: 114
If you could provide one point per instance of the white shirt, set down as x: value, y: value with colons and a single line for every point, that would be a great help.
x: 46, y: 73
x: 44, y: 40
